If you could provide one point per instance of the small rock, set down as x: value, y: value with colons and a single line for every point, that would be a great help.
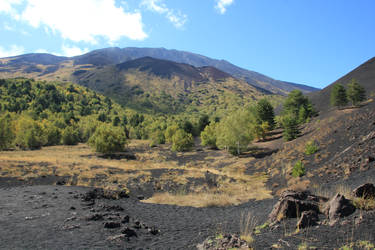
x: 128, y: 232
x: 140, y: 197
x: 72, y: 208
x: 61, y: 182
x: 153, y: 231
x: 95, y: 217
x: 126, y: 219
x: 112, y: 225
x: 137, y: 225
x: 71, y: 227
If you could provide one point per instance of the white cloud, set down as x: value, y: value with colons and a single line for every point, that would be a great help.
x: 73, y: 51
x: 177, y: 18
x: 14, y: 50
x: 222, y: 5
x: 83, y: 20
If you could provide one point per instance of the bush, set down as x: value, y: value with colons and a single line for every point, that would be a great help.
x: 169, y: 132
x: 208, y: 135
x: 6, y: 132
x: 70, y: 136
x: 290, y: 126
x: 157, y: 137
x: 311, y: 148
x: 29, y: 134
x: 108, y: 139
x: 298, y: 169
x: 182, y: 141
x: 52, y: 134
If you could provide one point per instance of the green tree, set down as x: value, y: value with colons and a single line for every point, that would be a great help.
x: 204, y: 121
x: 6, y: 132
x: 290, y: 126
x: 182, y: 141
x: 338, y: 96
x: 208, y: 135
x: 294, y: 103
x: 356, y: 93
x: 157, y: 137
x: 29, y: 134
x: 108, y: 139
x: 70, y: 136
x: 52, y: 134
x: 265, y: 113
x: 235, y: 132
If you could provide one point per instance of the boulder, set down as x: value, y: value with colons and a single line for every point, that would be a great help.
x: 338, y: 207
x: 308, y: 219
x: 366, y: 191
x: 292, y: 203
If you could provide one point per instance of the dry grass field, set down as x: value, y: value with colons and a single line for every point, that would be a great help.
x: 198, y: 178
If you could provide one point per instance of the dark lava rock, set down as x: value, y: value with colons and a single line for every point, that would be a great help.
x: 137, y: 225
x: 113, y: 208
x: 126, y: 219
x: 338, y: 207
x: 95, y: 217
x: 308, y: 219
x: 153, y: 231
x: 99, y: 193
x: 61, y: 182
x: 366, y: 191
x: 228, y: 241
x: 128, y: 232
x: 112, y: 224
x: 292, y: 203
x: 140, y: 197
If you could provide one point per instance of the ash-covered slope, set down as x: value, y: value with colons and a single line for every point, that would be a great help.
x: 364, y: 74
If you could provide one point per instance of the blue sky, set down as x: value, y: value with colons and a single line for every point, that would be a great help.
x: 312, y: 42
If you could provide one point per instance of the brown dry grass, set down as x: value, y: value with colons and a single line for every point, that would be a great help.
x: 233, y: 185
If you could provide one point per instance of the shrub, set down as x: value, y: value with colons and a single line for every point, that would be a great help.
x: 208, y: 136
x: 70, y: 136
x: 182, y: 141
x: 29, y: 134
x: 290, y: 126
x: 6, y: 132
x: 311, y: 148
x: 169, y: 132
x: 108, y: 139
x: 298, y: 169
x: 157, y: 137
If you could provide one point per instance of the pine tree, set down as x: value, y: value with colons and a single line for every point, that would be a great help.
x: 356, y: 93
x: 338, y: 96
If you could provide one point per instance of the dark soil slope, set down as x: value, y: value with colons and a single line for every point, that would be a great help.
x: 364, y: 74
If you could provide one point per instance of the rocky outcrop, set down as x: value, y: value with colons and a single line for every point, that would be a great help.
x: 338, y: 207
x: 307, y: 219
x: 292, y: 203
x: 365, y: 191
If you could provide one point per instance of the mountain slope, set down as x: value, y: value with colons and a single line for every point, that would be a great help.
x: 365, y: 74
x: 117, y: 55
x: 155, y: 85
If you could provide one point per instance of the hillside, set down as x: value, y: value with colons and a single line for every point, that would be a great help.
x: 117, y: 55
x: 154, y: 85
x: 364, y: 74
x: 50, y: 67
